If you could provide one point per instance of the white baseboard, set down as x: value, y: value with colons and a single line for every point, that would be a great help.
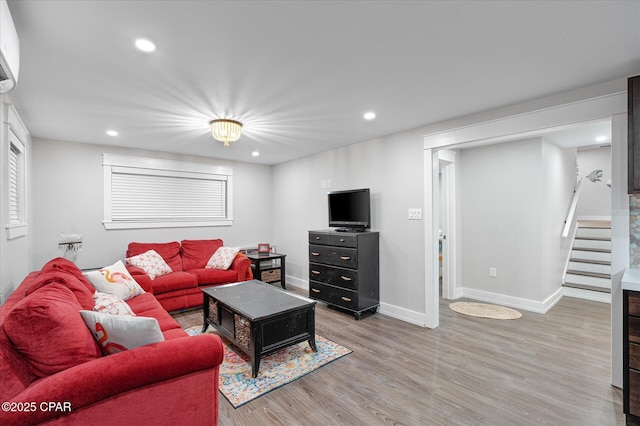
x: 406, y: 315
x: 417, y: 318
x: 513, y: 302
x: 579, y: 293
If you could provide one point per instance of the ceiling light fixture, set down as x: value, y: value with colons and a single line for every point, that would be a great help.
x: 601, y: 138
x: 369, y: 115
x: 145, y: 45
x: 255, y: 154
x: 226, y: 130
x: 112, y: 133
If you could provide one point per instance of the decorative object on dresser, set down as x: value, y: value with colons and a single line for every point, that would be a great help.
x: 268, y: 267
x: 264, y: 248
x: 344, y: 270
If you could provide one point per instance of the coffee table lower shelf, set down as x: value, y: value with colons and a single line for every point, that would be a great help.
x: 259, y: 337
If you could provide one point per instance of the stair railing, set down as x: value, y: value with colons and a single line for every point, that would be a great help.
x: 568, y: 223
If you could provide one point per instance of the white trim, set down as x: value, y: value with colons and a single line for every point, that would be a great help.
x: 531, y: 123
x: 413, y: 317
x: 513, y: 302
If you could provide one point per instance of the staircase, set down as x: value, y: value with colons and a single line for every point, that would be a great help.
x: 589, y: 266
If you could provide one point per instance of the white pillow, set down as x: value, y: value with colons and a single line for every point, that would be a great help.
x: 222, y: 258
x: 115, y: 279
x: 151, y: 263
x: 109, y: 304
x: 117, y: 333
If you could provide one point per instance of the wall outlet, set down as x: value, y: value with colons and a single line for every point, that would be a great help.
x: 415, y: 214
x: 492, y: 272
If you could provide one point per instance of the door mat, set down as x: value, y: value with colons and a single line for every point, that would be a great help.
x: 484, y: 310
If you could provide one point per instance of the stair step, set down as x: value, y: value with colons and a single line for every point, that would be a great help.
x: 593, y: 232
x: 587, y: 287
x: 588, y: 274
x: 594, y: 261
x: 586, y: 238
x: 594, y: 250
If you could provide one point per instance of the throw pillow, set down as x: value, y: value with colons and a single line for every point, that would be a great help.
x: 109, y: 304
x: 151, y: 263
x: 115, y: 279
x: 222, y: 258
x: 117, y: 333
x: 48, y: 330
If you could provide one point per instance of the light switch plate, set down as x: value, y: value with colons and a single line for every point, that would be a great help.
x: 415, y: 214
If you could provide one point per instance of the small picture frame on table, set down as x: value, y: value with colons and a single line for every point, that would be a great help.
x: 264, y: 248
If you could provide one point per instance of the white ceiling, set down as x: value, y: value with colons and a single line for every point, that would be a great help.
x: 300, y: 74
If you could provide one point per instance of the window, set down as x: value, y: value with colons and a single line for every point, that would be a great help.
x: 16, y: 191
x: 151, y: 193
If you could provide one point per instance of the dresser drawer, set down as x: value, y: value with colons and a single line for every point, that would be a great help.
x: 340, y: 277
x: 634, y: 329
x: 634, y: 303
x: 634, y: 392
x: 634, y: 356
x: 337, y: 256
x: 319, y: 238
x: 344, y: 240
x: 333, y: 295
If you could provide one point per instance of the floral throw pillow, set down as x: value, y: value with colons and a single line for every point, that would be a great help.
x: 151, y: 263
x: 222, y: 258
x: 109, y: 304
x: 115, y: 279
x: 117, y: 333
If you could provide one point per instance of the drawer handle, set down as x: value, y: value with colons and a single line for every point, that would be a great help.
x: 342, y: 240
x: 315, y: 272
x: 345, y: 257
x: 346, y: 299
x: 313, y: 253
x: 345, y: 278
x: 317, y: 238
x: 315, y: 290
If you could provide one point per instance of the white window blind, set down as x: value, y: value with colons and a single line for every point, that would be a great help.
x: 141, y: 193
x: 14, y: 201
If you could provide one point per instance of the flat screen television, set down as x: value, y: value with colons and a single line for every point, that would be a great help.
x: 350, y: 210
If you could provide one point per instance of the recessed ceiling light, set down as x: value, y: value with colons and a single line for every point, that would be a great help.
x: 112, y: 133
x: 145, y: 45
x: 255, y: 153
x: 601, y: 138
x: 369, y: 115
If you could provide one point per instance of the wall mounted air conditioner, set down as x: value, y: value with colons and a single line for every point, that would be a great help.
x: 9, y: 50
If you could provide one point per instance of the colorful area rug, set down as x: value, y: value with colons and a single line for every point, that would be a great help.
x: 484, y: 310
x: 276, y: 370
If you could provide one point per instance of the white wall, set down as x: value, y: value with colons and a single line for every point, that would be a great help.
x: 15, y: 254
x: 392, y: 168
x: 514, y: 198
x: 68, y: 196
x: 595, y: 198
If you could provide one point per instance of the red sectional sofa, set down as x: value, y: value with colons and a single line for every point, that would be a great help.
x: 52, y: 370
x: 187, y: 259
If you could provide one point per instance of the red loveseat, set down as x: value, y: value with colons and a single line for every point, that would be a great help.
x: 52, y: 370
x: 181, y: 289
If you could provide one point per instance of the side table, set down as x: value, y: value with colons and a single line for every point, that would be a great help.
x: 268, y: 267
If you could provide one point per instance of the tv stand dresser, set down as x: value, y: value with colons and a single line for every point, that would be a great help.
x: 344, y: 270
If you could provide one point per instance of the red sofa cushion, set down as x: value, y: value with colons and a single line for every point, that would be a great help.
x: 82, y: 294
x: 65, y: 265
x: 196, y: 253
x: 174, y: 281
x: 215, y: 276
x: 170, y: 252
x: 46, y: 327
x: 146, y: 305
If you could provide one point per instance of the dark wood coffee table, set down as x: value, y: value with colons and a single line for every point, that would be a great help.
x: 259, y: 318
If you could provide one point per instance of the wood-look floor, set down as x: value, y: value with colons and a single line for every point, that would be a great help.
x: 551, y: 369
